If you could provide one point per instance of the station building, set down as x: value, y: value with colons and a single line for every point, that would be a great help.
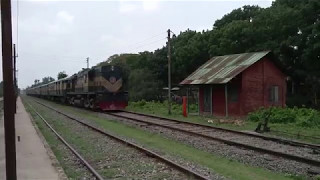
x: 238, y: 84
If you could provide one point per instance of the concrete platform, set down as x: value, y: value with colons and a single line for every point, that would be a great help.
x: 33, y: 161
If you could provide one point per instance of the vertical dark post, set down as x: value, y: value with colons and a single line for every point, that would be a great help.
x: 15, y: 78
x: 88, y: 62
x: 226, y: 98
x: 211, y: 103
x: 8, y: 90
x: 188, y: 109
x: 169, y: 74
x: 198, y: 100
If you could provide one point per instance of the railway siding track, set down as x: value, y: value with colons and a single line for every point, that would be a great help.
x: 72, y: 149
x: 148, y: 152
x: 303, y: 153
x: 280, y: 140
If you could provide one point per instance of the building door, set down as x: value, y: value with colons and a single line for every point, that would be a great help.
x: 207, y: 100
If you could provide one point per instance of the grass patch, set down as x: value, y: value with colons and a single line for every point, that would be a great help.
x: 223, y: 166
x: 288, y: 130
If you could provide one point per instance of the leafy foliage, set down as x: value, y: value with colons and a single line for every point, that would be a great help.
x: 62, y: 75
x: 143, y: 85
x: 157, y: 106
x: 303, y: 117
x: 45, y: 80
x: 291, y: 29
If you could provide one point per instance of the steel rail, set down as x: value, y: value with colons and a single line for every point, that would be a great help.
x: 284, y: 141
x: 232, y: 143
x: 133, y: 145
x: 91, y: 169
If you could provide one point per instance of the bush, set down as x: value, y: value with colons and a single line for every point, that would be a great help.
x: 303, y: 117
x: 153, y: 106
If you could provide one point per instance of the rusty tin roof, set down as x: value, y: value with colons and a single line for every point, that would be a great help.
x: 221, y: 69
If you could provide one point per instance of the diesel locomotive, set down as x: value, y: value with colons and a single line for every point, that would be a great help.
x: 101, y: 87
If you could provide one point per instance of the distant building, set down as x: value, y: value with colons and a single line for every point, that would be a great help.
x: 238, y: 84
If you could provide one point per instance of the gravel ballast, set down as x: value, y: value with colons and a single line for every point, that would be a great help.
x: 109, y: 157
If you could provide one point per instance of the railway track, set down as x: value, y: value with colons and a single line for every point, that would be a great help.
x: 300, y: 152
x: 279, y: 140
x: 150, y: 153
x: 72, y: 149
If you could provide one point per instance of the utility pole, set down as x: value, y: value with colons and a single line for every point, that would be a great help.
x: 88, y: 62
x: 8, y: 90
x: 15, y: 78
x: 169, y: 74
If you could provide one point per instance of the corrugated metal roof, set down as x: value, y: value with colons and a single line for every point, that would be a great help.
x: 221, y: 69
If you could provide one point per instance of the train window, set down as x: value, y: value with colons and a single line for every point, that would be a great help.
x: 274, y: 94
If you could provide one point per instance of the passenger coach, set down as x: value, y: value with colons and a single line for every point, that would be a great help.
x: 100, y: 87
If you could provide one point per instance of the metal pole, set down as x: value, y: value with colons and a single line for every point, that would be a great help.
x: 226, y: 98
x: 8, y: 90
x: 169, y: 74
x: 88, y: 62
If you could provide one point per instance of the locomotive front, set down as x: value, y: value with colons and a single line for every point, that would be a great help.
x: 111, y: 94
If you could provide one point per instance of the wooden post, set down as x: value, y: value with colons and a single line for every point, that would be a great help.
x: 8, y: 90
x: 198, y: 100
x: 211, y: 110
x: 226, y: 98
x: 169, y: 74
x: 15, y: 78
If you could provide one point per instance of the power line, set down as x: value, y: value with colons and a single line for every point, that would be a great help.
x: 134, y: 45
x: 153, y: 42
x: 146, y: 39
x: 81, y: 59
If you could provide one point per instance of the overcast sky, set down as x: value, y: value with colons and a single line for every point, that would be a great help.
x: 56, y: 36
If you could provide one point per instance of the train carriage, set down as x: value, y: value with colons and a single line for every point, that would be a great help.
x: 96, y: 88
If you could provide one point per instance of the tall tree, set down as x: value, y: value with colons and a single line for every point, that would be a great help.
x: 62, y: 75
x: 46, y: 80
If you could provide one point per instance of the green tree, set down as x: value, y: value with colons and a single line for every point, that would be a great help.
x: 291, y: 29
x: 62, y: 75
x: 144, y: 86
x: 46, y: 80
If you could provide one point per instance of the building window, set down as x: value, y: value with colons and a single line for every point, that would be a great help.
x: 233, y: 94
x: 274, y: 94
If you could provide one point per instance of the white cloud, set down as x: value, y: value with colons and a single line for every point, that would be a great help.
x: 150, y: 5
x: 65, y: 16
x: 127, y: 7
x: 61, y: 24
x: 105, y: 38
